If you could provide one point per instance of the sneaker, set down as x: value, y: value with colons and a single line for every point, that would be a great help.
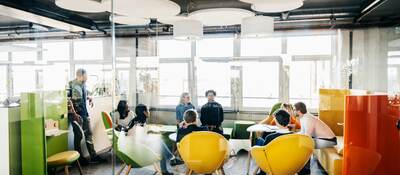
x: 175, y: 161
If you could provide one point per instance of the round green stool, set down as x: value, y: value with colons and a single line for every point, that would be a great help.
x: 64, y: 159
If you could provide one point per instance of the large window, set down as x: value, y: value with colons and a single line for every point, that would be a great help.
x: 309, y: 45
x: 56, y: 51
x: 261, y: 47
x: 26, y: 52
x: 3, y: 82
x: 306, y: 78
x: 216, y: 76
x: 394, y: 72
x: 24, y: 79
x: 215, y: 47
x: 173, y: 81
x: 174, y: 49
x: 260, y: 84
x: 88, y: 50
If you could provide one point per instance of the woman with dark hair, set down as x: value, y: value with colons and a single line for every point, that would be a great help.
x: 138, y: 129
x: 123, y: 115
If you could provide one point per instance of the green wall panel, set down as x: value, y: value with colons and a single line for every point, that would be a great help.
x: 14, y: 140
x: 32, y: 135
x: 55, y: 108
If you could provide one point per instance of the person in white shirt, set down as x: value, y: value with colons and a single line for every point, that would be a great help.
x: 123, y: 115
x: 312, y: 126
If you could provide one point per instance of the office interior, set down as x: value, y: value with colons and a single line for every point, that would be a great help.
x: 341, y: 58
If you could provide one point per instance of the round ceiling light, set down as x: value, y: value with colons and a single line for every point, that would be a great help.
x: 131, y: 20
x: 220, y: 16
x: 188, y: 29
x: 171, y: 20
x: 88, y: 6
x: 147, y: 8
x: 257, y: 26
x: 274, y: 6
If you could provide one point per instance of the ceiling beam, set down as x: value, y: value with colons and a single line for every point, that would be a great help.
x: 367, y: 8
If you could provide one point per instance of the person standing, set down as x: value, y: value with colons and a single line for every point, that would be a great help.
x: 212, y: 113
x: 79, y: 98
x: 184, y: 104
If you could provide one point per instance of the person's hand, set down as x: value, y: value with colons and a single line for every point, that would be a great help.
x: 183, y: 124
x: 90, y: 102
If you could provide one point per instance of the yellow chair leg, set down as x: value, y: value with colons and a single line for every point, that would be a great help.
x: 129, y: 170
x: 189, y: 172
x: 66, y: 170
x: 222, y: 171
x: 79, y: 167
x: 122, y: 168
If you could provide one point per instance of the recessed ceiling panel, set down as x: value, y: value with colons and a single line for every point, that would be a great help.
x: 147, y: 8
x: 88, y: 6
x: 221, y: 16
x: 131, y: 20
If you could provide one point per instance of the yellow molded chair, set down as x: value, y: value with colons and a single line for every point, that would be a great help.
x: 284, y: 155
x: 135, y: 155
x: 64, y: 159
x: 204, y: 152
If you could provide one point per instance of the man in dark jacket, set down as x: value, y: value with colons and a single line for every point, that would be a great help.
x: 190, y: 125
x: 212, y: 114
x: 79, y: 98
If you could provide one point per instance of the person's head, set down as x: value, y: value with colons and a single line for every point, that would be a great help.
x: 185, y: 98
x: 282, y: 118
x: 300, y: 108
x: 142, y: 113
x: 210, y: 94
x: 81, y: 75
x: 123, y: 109
x: 288, y: 107
x: 190, y: 116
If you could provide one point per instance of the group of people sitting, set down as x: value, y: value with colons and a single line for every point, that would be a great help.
x: 288, y: 119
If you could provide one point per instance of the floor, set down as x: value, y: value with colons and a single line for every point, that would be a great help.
x: 234, y: 166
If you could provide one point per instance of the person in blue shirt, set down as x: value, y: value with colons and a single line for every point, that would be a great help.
x: 184, y: 105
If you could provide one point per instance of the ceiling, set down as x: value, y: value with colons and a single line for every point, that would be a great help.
x: 313, y: 14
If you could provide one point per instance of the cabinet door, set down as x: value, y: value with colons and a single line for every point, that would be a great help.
x: 371, y: 138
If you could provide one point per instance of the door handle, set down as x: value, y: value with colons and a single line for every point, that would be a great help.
x: 398, y: 125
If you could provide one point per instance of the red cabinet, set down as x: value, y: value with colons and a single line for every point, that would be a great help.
x: 371, y: 136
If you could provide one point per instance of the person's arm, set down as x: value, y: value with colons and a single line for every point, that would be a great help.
x: 203, y: 115
x: 221, y: 114
x: 268, y: 120
x: 178, y: 114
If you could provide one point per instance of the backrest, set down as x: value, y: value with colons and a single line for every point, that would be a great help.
x: 107, y: 121
x: 288, y: 154
x: 203, y: 152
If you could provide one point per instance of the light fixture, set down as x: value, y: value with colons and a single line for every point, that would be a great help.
x: 257, y: 26
x: 220, y: 16
x: 146, y: 8
x: 188, y: 29
x: 274, y: 6
x: 171, y: 19
x: 131, y: 20
x: 88, y: 6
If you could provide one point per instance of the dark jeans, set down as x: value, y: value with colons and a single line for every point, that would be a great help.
x: 88, y: 137
x: 166, y: 154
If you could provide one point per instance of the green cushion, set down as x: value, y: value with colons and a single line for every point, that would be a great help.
x: 240, y: 129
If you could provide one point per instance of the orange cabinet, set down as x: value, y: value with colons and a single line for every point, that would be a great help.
x: 371, y: 136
